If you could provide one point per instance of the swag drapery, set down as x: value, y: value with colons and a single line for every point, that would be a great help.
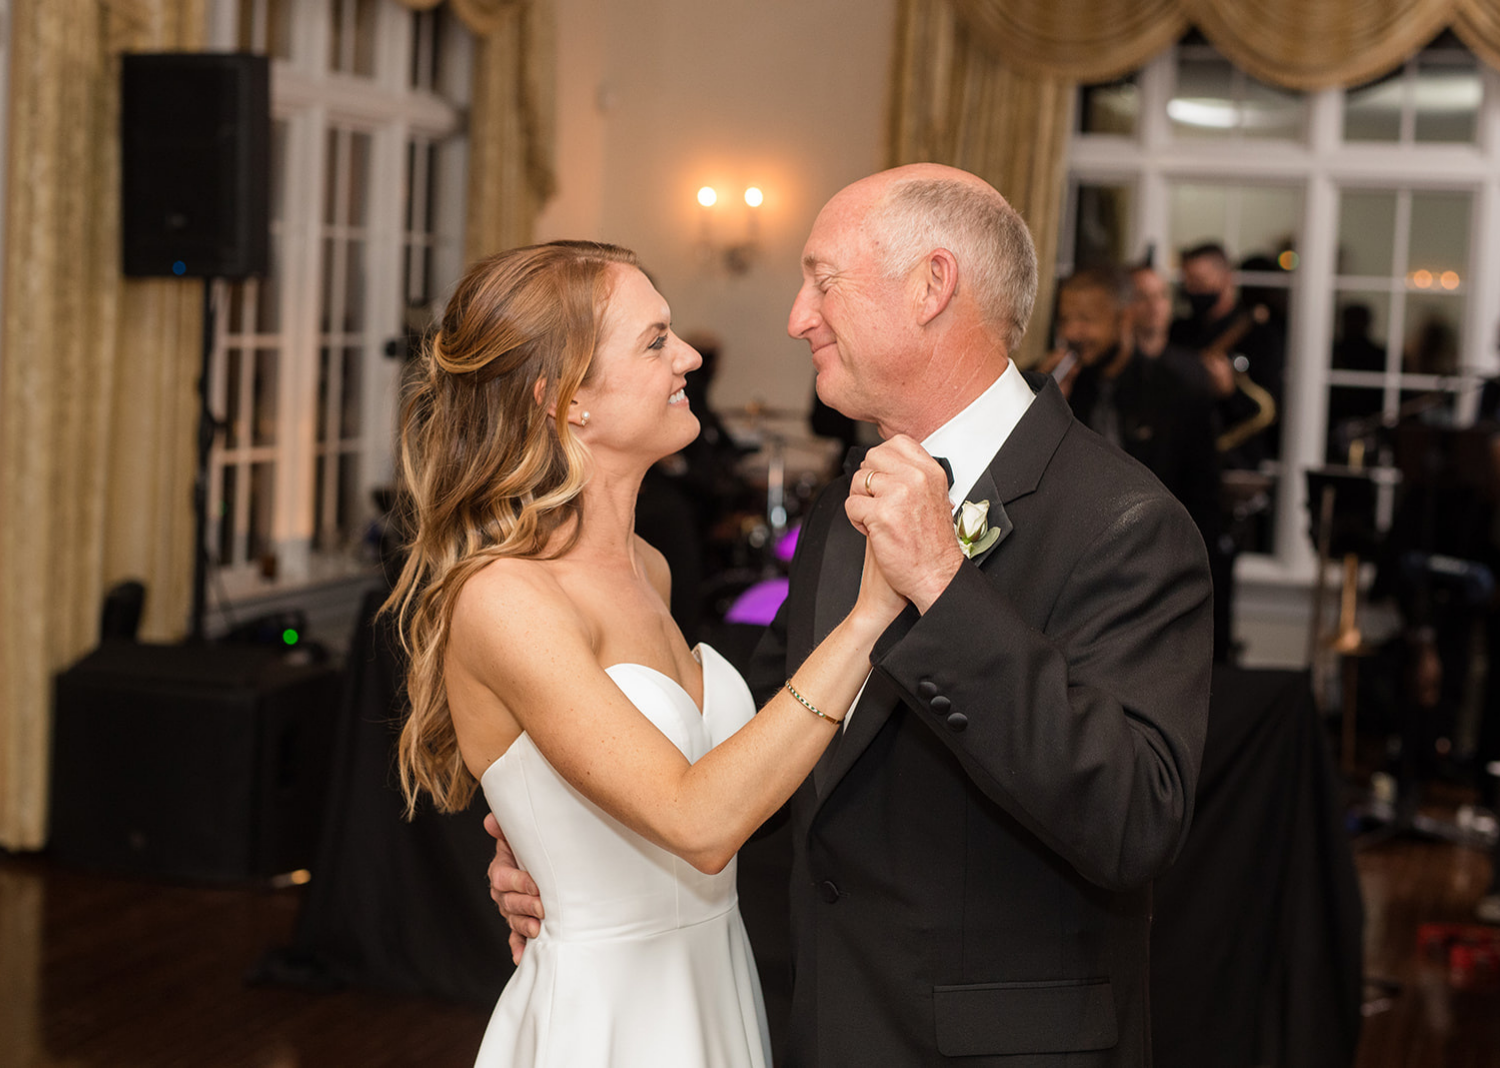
x: 989, y: 85
x: 98, y: 409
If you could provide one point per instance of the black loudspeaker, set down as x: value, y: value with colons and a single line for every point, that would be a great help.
x: 195, y: 149
x: 197, y: 762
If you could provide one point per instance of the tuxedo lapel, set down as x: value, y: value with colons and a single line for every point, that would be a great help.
x: 875, y: 705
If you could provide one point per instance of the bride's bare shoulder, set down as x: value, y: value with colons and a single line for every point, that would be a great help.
x: 513, y: 598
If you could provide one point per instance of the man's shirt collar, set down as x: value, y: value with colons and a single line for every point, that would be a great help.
x: 972, y: 437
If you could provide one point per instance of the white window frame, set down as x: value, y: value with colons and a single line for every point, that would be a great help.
x: 310, y: 100
x: 1320, y: 164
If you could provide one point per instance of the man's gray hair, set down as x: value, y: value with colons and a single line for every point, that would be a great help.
x: 988, y: 237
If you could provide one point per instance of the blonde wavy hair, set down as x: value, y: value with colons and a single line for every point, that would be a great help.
x: 484, y: 471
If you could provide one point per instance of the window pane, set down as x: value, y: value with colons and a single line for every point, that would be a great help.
x: 1199, y: 213
x: 354, y: 289
x: 1269, y: 220
x: 429, y: 218
x: 336, y: 35
x: 364, y: 37
x: 268, y: 294
x: 279, y: 29
x: 359, y: 179
x: 1372, y: 112
x: 412, y: 180
x: 1433, y: 324
x: 349, y: 407
x: 320, y: 468
x: 1271, y: 113
x: 267, y: 363
x: 1102, y: 228
x: 331, y: 253
x: 348, y: 495
x: 1359, y: 331
x: 1448, y: 93
x: 1204, y: 104
x: 233, y: 369
x: 262, y: 494
x: 333, y: 168
x: 1440, y: 234
x: 1367, y: 234
x: 234, y: 295
x: 325, y: 369
x: 1113, y: 108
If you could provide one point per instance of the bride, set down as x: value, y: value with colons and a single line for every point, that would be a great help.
x: 626, y: 768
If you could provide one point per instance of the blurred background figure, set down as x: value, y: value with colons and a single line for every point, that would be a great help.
x: 1250, y: 333
x: 1151, y: 320
x: 1138, y: 404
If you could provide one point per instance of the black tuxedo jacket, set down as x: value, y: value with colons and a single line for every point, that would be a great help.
x: 973, y: 856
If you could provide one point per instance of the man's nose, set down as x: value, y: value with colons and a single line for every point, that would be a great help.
x: 803, y: 317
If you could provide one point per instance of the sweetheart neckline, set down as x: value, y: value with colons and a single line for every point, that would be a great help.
x: 662, y: 674
x: 702, y: 712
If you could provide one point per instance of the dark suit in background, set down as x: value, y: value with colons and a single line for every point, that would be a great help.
x: 973, y: 859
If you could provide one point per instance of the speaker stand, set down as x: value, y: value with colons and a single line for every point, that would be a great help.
x: 208, y: 429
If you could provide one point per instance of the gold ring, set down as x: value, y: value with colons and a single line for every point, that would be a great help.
x: 869, y: 475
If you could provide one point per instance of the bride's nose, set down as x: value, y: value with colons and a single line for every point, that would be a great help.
x: 688, y: 358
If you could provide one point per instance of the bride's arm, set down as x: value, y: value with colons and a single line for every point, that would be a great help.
x: 515, y: 634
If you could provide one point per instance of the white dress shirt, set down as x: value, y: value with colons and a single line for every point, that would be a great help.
x: 970, y: 440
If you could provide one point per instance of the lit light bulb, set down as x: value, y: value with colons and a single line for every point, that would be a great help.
x: 1422, y: 279
x: 707, y: 197
x: 1449, y: 279
x: 753, y: 197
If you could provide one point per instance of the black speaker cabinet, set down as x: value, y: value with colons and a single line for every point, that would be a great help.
x: 197, y: 762
x: 195, y: 137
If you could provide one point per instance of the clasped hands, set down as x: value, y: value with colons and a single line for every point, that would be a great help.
x: 898, y: 499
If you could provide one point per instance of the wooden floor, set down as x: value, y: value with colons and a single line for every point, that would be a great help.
x: 118, y: 973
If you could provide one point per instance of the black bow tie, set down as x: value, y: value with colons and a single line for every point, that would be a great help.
x: 947, y: 468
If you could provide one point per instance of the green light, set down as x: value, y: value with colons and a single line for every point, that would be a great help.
x: 290, y: 636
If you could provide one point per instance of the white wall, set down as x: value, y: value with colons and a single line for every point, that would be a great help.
x: 659, y: 97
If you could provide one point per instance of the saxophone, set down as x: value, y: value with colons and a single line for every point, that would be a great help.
x: 1265, y: 405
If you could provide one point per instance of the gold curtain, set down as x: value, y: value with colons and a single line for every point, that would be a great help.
x: 97, y: 408
x: 988, y: 85
x: 957, y: 103
x: 511, y: 118
x: 1291, y: 43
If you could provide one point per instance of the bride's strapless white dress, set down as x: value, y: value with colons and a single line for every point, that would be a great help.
x: 642, y: 959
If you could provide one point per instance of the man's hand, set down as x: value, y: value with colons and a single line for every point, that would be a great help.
x: 1220, y: 372
x: 512, y: 890
x: 899, y: 501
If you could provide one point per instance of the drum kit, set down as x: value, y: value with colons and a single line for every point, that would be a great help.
x: 783, y: 467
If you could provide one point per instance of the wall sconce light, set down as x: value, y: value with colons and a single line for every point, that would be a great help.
x: 737, y: 256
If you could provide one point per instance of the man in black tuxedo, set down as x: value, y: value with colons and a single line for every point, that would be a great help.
x: 973, y: 857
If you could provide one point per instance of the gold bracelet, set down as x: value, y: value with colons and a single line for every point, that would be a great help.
x: 808, y: 704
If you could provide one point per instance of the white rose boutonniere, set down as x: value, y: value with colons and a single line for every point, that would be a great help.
x: 975, y: 534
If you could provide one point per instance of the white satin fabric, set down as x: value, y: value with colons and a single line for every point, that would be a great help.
x: 642, y: 961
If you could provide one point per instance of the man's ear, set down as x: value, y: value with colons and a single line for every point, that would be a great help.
x: 939, y: 282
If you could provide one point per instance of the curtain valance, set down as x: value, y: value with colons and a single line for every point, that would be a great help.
x: 1291, y: 43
